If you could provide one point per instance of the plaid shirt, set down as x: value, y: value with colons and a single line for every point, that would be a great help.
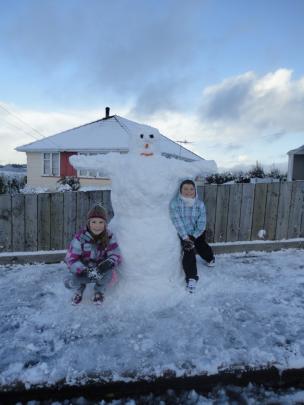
x: 83, y: 249
x: 188, y: 220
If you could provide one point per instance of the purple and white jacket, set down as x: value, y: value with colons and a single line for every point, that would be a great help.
x: 84, y: 249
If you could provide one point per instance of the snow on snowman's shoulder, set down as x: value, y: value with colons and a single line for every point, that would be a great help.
x: 100, y: 161
x: 184, y: 169
x: 111, y: 161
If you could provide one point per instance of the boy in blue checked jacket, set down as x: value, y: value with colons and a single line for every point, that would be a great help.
x: 92, y: 257
x: 188, y: 215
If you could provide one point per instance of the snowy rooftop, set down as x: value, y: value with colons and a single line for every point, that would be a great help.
x: 111, y: 134
x: 248, y: 310
x: 298, y: 151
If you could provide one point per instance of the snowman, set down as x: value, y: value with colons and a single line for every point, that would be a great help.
x: 143, y: 184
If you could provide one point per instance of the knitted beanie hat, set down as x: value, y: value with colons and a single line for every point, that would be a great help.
x: 97, y: 211
x: 186, y: 182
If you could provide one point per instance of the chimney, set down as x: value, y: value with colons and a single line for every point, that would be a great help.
x: 107, y: 112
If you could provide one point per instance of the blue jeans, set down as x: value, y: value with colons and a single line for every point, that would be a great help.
x: 78, y: 282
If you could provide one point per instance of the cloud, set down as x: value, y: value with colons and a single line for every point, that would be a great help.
x: 14, y: 130
x: 242, y: 119
x: 160, y: 96
x: 238, y: 119
x: 275, y: 136
x: 103, y: 47
x: 246, y: 106
x: 228, y: 146
x: 226, y: 101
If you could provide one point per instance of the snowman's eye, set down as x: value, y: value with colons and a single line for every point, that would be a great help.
x: 151, y: 136
x: 141, y: 135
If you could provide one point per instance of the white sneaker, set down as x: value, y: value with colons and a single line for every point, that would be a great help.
x: 211, y: 264
x: 191, y: 285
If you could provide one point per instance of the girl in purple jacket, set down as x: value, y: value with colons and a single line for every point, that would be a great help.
x: 92, y: 257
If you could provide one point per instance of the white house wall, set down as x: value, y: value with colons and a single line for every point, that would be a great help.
x: 290, y: 167
x: 34, y: 172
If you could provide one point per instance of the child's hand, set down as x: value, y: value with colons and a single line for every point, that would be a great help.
x: 105, y: 266
x: 187, y: 245
x: 96, y: 273
x: 93, y: 274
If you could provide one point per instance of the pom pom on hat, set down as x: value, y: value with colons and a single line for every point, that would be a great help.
x: 97, y: 211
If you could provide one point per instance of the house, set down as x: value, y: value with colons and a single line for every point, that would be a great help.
x: 48, y: 158
x: 296, y: 164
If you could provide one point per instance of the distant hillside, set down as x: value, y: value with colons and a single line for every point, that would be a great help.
x: 13, y: 167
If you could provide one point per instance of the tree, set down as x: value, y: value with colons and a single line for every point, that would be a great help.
x: 71, y: 182
x: 257, y: 171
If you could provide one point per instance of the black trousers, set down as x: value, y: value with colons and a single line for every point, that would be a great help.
x: 189, y: 260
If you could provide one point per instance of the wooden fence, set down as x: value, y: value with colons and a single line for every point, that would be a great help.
x: 235, y: 212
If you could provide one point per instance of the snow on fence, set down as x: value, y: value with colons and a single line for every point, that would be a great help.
x: 235, y: 212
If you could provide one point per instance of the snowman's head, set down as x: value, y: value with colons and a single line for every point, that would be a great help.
x: 146, y: 143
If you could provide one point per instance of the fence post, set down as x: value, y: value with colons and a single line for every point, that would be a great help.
x: 271, y: 210
x: 222, y: 204
x: 107, y: 203
x: 234, y: 212
x: 44, y: 221
x: 259, y: 207
x: 296, y: 210
x: 5, y: 223
x: 31, y: 222
x: 69, y: 217
x: 83, y: 205
x: 209, y: 198
x: 18, y: 226
x: 56, y: 237
x: 246, y: 211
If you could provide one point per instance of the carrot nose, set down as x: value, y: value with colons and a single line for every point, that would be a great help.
x: 146, y: 145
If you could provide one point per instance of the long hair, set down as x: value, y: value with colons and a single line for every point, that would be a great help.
x: 102, y: 239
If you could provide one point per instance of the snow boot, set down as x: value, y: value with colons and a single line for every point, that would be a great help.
x: 191, y: 285
x: 98, y: 298
x: 211, y: 263
x: 77, y: 298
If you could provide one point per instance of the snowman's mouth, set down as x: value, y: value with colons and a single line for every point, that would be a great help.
x: 147, y: 153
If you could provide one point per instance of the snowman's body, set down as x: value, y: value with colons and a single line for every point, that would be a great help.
x: 143, y: 185
x: 140, y: 199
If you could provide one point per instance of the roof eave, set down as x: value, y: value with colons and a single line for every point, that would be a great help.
x: 298, y: 151
x: 46, y: 150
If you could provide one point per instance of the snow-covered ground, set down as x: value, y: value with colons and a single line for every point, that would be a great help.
x: 248, y: 310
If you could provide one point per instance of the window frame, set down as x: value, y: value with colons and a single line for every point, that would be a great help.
x: 51, y: 162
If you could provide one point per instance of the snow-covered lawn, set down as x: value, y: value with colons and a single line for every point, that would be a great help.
x: 248, y: 310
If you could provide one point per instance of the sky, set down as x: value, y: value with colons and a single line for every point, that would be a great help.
x: 225, y: 76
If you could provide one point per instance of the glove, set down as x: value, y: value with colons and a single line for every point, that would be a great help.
x: 97, y: 272
x: 105, y: 266
x: 187, y: 245
x: 93, y: 273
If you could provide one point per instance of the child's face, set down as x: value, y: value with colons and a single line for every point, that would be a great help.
x: 97, y: 225
x: 188, y: 190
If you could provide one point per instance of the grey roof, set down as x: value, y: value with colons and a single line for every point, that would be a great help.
x: 298, y: 151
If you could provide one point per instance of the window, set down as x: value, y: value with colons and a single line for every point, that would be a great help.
x: 51, y: 164
x: 90, y: 173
